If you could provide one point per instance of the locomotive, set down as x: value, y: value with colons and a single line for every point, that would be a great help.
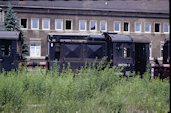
x: 131, y: 52
x: 10, y: 50
x: 162, y: 70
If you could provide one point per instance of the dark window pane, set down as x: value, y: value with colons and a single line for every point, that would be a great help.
x: 6, y: 48
x: 157, y: 27
x: 68, y: 24
x: 126, y: 26
x: 24, y: 23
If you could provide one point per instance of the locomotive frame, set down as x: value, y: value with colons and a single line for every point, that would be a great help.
x: 128, y: 51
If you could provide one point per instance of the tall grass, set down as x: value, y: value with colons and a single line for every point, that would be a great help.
x: 92, y: 90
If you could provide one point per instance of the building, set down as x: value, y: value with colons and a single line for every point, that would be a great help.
x: 141, y: 17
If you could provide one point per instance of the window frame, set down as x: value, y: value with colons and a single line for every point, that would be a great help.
x: 95, y: 25
x: 105, y: 25
x: 48, y: 24
x: 159, y: 27
x: 128, y: 27
x: 161, y: 49
x: 35, y: 49
x: 135, y: 26
x: 168, y: 28
x: 84, y: 24
x: 119, y: 26
x: 32, y: 24
x: 71, y: 24
x: 26, y: 23
x: 61, y: 24
x: 145, y: 27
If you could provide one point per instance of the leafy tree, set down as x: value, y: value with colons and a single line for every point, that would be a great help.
x: 11, y: 23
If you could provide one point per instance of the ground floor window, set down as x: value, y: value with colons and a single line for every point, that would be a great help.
x: 35, y: 49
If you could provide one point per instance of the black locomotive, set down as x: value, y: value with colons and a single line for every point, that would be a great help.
x: 10, y: 50
x: 128, y: 51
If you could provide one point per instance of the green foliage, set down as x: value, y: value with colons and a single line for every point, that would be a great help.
x: 11, y: 23
x: 92, y: 90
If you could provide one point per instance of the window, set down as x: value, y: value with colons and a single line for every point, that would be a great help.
x: 23, y: 23
x: 35, y: 23
x: 157, y: 27
x: 82, y: 25
x: 103, y: 26
x: 117, y: 26
x: 34, y: 49
x: 137, y: 27
x: 68, y: 25
x: 150, y: 50
x: 59, y: 24
x: 166, y: 28
x: 93, y: 25
x: 45, y: 24
x: 147, y: 27
x: 126, y: 52
x: 161, y: 49
x: 126, y: 26
x: 5, y: 48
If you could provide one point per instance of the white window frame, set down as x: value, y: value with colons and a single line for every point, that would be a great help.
x: 150, y: 51
x: 95, y: 25
x: 145, y: 27
x: 168, y: 28
x: 61, y: 24
x: 105, y: 25
x: 26, y: 23
x: 71, y: 25
x: 136, y: 26
x: 85, y: 24
x: 161, y: 49
x: 43, y: 24
x: 128, y: 27
x: 159, y: 27
x: 35, y: 49
x: 119, y: 26
x: 32, y: 24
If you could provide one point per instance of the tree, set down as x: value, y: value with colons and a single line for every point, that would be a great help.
x: 11, y: 23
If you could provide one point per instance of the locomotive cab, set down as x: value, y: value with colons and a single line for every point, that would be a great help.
x: 10, y: 50
x: 130, y: 52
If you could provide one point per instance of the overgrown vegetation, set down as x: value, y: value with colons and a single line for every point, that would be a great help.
x: 92, y: 90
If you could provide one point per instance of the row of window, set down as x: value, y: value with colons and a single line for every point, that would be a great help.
x: 93, y: 25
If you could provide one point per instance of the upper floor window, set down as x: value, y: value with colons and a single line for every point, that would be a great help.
x: 24, y: 23
x: 137, y: 27
x: 68, y: 24
x: 45, y: 24
x: 157, y: 27
x: 103, y: 26
x: 117, y: 26
x: 147, y: 27
x: 166, y: 28
x: 82, y: 25
x: 93, y: 25
x: 59, y: 24
x: 34, y: 23
x: 126, y: 26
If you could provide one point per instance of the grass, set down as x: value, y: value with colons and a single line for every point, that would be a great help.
x: 92, y: 90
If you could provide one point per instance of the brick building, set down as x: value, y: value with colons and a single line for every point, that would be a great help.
x: 141, y: 17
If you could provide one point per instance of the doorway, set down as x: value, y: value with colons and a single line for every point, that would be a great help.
x: 140, y: 58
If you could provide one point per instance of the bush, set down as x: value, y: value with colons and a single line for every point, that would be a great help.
x: 91, y: 90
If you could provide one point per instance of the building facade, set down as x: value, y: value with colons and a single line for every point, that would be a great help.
x: 38, y: 18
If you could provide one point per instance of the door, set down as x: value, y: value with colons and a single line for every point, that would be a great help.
x: 140, y: 58
x: 6, y: 57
